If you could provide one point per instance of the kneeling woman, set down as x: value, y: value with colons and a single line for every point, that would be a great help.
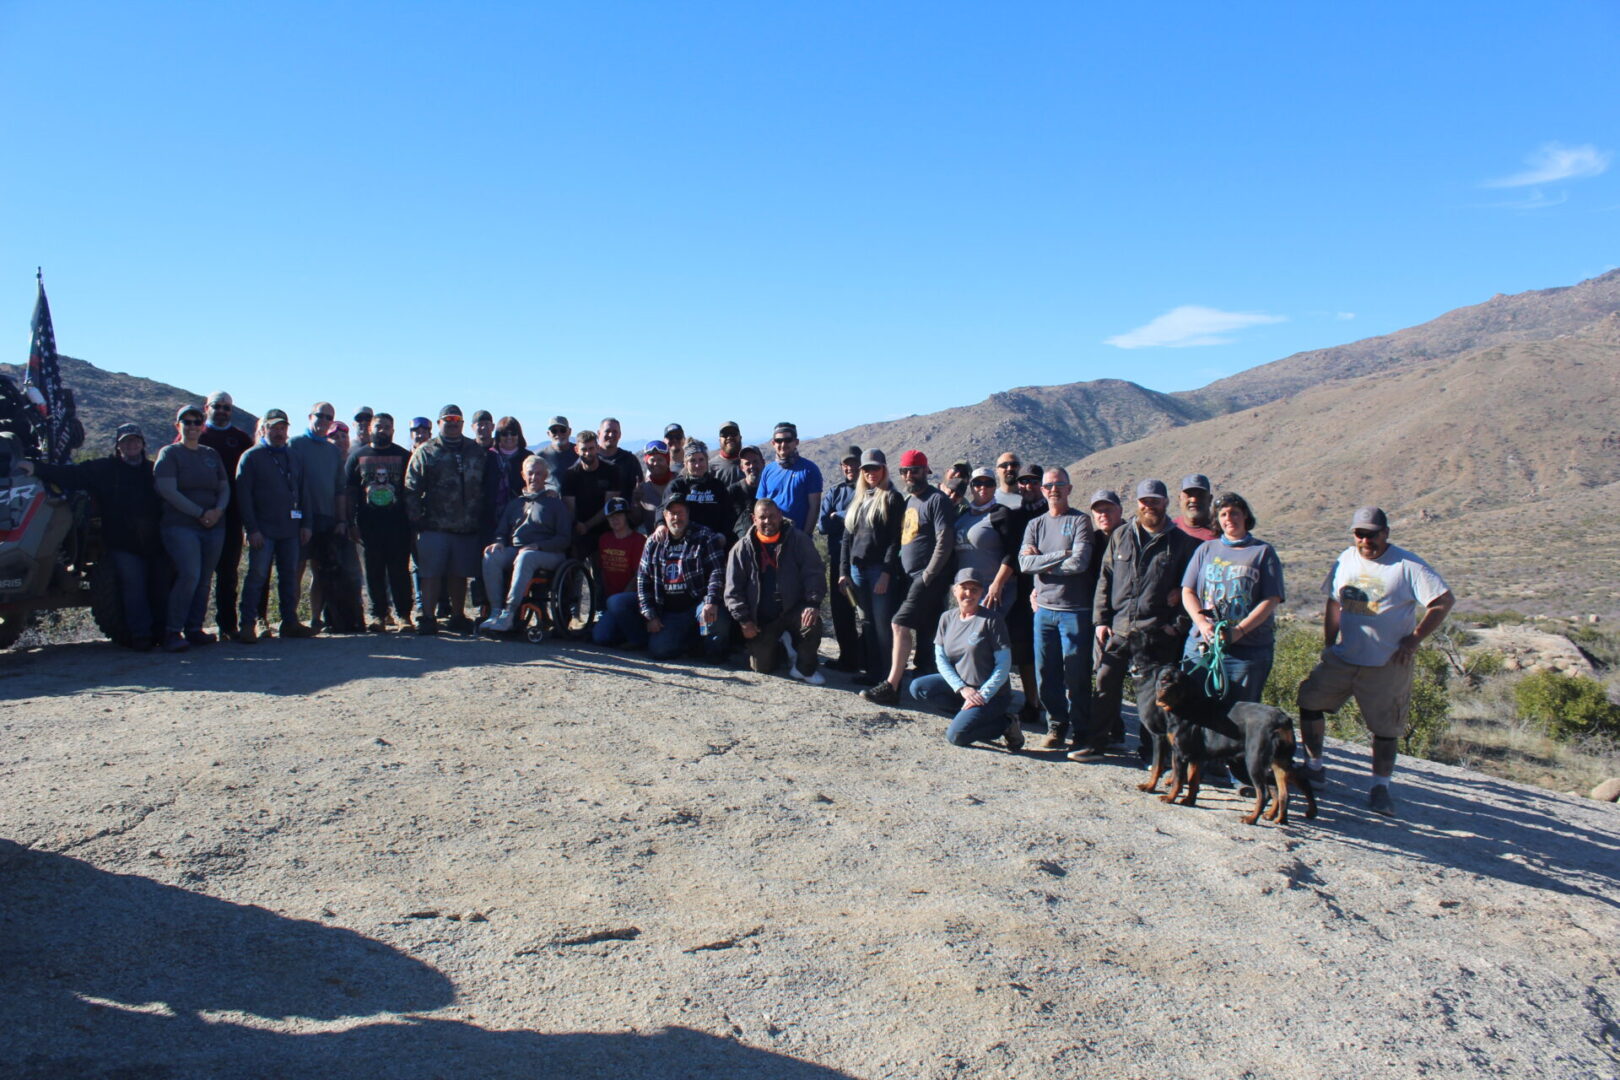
x: 974, y: 658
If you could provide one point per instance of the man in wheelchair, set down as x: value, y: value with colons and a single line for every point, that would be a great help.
x: 532, y: 535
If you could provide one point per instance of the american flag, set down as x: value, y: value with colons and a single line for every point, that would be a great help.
x: 43, y: 383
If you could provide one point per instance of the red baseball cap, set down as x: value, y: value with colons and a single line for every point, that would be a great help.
x: 914, y: 459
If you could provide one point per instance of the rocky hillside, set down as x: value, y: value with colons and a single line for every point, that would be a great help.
x: 109, y: 398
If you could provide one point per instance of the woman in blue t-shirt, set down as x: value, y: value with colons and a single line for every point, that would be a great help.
x: 1235, y: 582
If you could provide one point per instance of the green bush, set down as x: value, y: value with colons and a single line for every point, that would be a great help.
x: 1566, y: 707
x: 1298, y: 649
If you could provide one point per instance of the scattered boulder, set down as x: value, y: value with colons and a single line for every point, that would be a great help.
x: 1608, y: 791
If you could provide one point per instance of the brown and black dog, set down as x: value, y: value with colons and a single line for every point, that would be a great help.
x: 1201, y: 730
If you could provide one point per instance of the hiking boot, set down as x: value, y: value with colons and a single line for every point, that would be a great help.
x: 1055, y: 737
x: 297, y: 630
x: 1316, y: 774
x: 883, y: 693
x: 1014, y: 735
x: 200, y: 637
x: 1088, y: 753
x: 247, y: 636
x: 1379, y: 802
x: 427, y: 626
x: 175, y: 642
x: 815, y: 678
x: 459, y: 624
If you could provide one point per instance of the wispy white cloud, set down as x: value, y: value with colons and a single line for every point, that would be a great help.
x: 1554, y: 161
x: 1190, y: 325
x: 1345, y: 316
x: 1536, y: 200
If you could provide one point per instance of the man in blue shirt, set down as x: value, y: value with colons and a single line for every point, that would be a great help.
x: 790, y: 481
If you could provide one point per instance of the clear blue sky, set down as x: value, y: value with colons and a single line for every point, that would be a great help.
x: 828, y: 212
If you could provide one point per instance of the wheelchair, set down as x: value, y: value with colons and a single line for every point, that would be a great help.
x: 560, y: 602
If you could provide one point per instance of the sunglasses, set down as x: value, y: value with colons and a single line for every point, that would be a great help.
x: 1008, y: 465
x: 783, y: 442
x: 190, y: 422
x: 1367, y: 534
x: 983, y: 483
x: 220, y: 406
x: 1054, y: 487
x: 450, y: 419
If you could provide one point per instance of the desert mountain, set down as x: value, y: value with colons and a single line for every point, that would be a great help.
x: 1538, y: 315
x: 1499, y: 457
x: 106, y: 399
x: 1047, y: 423
x: 1062, y: 423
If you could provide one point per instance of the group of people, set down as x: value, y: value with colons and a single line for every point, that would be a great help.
x: 994, y: 571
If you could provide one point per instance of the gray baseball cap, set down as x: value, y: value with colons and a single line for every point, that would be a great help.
x: 1153, y: 489
x: 1195, y: 482
x: 852, y: 453
x: 1107, y: 495
x: 874, y: 457
x: 125, y: 431
x: 967, y: 573
x: 1369, y: 517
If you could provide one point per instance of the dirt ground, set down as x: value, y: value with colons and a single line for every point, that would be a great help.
x: 392, y: 857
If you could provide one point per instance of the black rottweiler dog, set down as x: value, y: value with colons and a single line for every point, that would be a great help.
x: 1201, y: 730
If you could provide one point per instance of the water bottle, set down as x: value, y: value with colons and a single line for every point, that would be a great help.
x: 704, y: 628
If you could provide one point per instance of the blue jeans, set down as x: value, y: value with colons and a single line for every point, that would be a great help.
x: 980, y: 723
x: 1247, y: 667
x: 1063, y: 669
x: 621, y: 620
x: 284, y: 554
x: 877, y: 613
x: 620, y: 617
x: 136, y: 580
x: 194, y: 551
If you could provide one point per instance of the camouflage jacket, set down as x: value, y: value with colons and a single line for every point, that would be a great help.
x: 444, y: 487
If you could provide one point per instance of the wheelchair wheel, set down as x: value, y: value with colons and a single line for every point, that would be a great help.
x: 573, y: 606
x: 531, y: 621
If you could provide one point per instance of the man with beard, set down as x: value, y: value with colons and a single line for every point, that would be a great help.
x: 1056, y: 551
x: 362, y: 425
x: 484, y: 429
x: 774, y: 580
x: 742, y: 493
x: 559, y: 454
x: 831, y: 524
x: 376, y: 480
x: 675, y: 439
x: 620, y: 460
x: 1106, y: 515
x: 1374, y: 593
x: 649, y: 495
x: 1141, y: 627
x: 927, y: 542
x: 727, y: 464
x: 444, y: 484
x: 270, y: 483
x: 1197, y: 520
x: 230, y: 443
x: 586, y: 488
x: 679, y: 588
x: 1007, y: 466
x: 791, y: 482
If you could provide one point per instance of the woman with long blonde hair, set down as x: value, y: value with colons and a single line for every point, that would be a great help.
x: 870, y: 561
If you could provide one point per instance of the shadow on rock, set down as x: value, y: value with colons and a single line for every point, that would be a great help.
x: 116, y: 975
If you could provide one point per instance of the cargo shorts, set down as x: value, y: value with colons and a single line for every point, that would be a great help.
x: 1383, y: 693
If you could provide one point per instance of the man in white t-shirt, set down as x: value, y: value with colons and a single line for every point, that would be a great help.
x: 1372, y: 628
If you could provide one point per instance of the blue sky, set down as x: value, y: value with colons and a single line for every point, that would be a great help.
x: 827, y: 212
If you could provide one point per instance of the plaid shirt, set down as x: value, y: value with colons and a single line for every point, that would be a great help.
x: 702, y: 566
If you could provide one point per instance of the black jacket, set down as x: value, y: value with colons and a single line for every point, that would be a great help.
x: 124, y: 495
x: 1139, y: 582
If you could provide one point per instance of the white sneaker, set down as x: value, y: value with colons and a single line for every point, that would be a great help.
x: 498, y: 623
x: 815, y: 678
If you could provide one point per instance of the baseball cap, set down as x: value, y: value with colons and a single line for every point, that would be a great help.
x: 365, y: 413
x: 914, y: 459
x: 1369, y: 517
x: 187, y: 410
x: 125, y: 431
x: 1154, y: 489
x: 967, y: 573
x: 1031, y: 472
x: 984, y: 474
x: 1195, y: 482
x: 730, y: 428
x: 674, y: 498
x: 656, y: 446
x: 275, y: 416
x: 421, y: 421
x: 449, y: 411
x: 851, y: 453
x: 785, y: 428
x: 962, y: 465
x: 874, y: 457
x: 559, y: 422
x: 1107, y: 495
x: 617, y: 505
x: 482, y: 414
x: 673, y: 429
x: 955, y: 485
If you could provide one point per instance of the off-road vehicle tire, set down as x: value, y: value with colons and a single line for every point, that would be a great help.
x: 107, y: 602
x: 11, y: 628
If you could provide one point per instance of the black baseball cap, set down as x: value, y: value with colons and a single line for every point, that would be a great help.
x: 275, y: 416
x: 449, y: 410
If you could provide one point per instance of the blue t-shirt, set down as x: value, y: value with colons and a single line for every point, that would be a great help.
x: 1232, y: 578
x: 790, y: 487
